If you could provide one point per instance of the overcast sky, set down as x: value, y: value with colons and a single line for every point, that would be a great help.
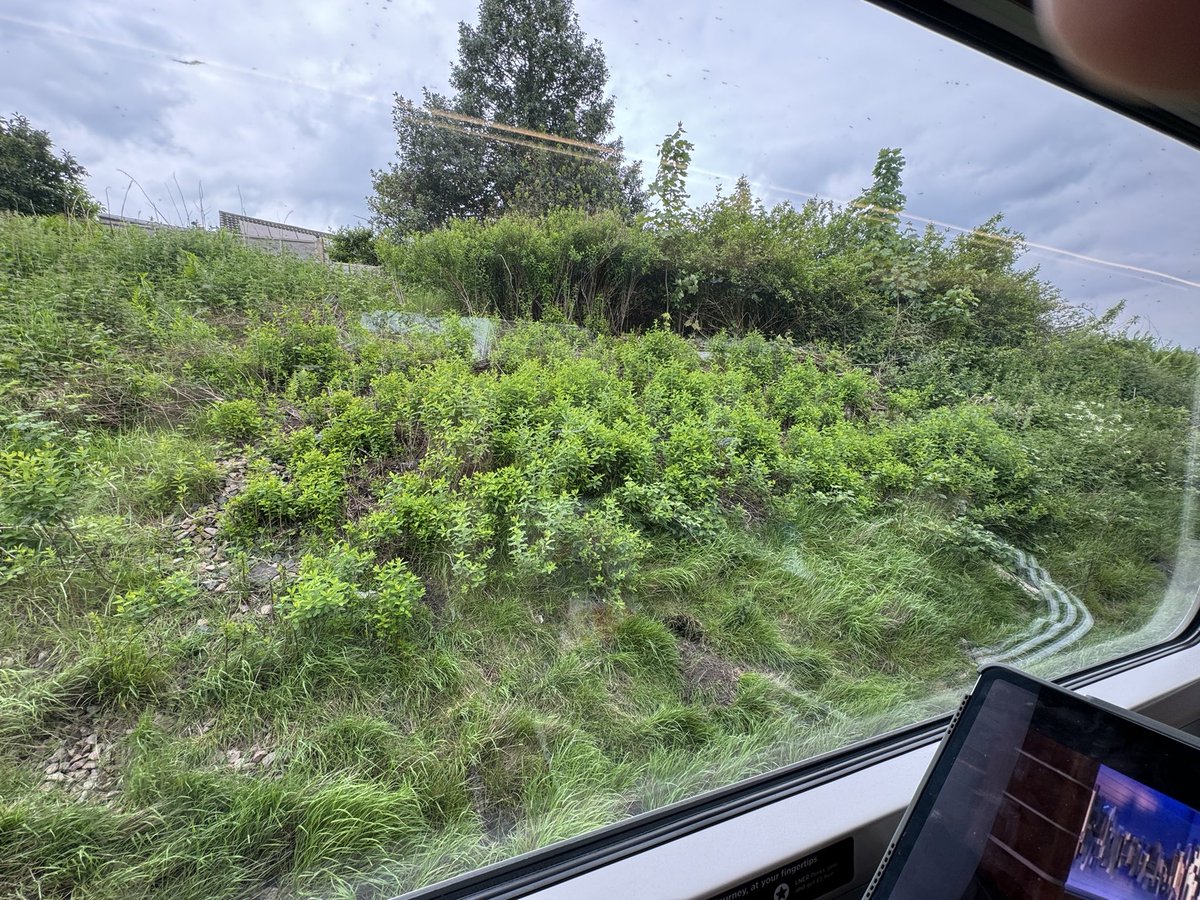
x: 281, y: 109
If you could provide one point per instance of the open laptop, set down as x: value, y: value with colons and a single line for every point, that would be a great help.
x: 1038, y: 792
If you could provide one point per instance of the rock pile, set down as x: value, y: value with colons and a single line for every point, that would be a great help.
x: 82, y: 763
x: 214, y: 571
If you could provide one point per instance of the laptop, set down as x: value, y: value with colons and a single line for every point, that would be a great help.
x: 1038, y: 792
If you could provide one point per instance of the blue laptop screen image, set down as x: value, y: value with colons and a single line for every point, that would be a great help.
x: 1137, y: 843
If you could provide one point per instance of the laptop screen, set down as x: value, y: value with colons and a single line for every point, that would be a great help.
x: 1039, y: 793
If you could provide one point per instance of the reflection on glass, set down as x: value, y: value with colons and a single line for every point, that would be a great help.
x: 1137, y: 842
x: 419, y: 445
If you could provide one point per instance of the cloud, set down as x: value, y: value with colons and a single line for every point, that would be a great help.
x: 288, y: 109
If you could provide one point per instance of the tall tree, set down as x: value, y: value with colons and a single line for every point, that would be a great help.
x: 668, y: 191
x: 882, y: 203
x: 33, y: 180
x: 529, y: 126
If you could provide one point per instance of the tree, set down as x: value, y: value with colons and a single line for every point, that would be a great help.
x: 32, y: 179
x: 884, y: 200
x: 668, y: 191
x: 527, y: 129
x: 354, y: 244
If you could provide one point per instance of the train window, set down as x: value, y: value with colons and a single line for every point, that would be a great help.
x: 432, y: 432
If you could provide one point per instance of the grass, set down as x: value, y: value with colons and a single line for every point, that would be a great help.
x: 643, y: 574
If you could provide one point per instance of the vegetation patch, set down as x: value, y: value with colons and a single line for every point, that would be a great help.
x: 295, y: 608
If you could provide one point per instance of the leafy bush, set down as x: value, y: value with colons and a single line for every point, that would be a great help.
x: 312, y: 497
x: 354, y: 245
x: 397, y: 590
x: 412, y: 520
x: 175, y: 590
x: 341, y: 588
x: 36, y: 486
x: 357, y: 428
x: 277, y: 351
x: 327, y: 587
x: 236, y: 421
x: 569, y: 266
x: 592, y: 548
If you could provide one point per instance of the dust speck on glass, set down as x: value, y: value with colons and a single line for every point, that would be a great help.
x: 430, y: 431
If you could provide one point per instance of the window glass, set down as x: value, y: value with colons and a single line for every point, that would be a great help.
x: 429, y: 431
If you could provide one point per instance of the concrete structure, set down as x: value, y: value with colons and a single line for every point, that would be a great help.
x: 115, y: 221
x: 278, y: 236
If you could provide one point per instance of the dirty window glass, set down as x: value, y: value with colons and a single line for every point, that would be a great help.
x: 432, y: 431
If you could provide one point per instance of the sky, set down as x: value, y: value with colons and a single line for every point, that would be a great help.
x: 282, y: 109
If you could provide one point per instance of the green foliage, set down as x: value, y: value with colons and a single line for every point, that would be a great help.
x: 153, y: 472
x: 457, y: 158
x: 884, y: 200
x: 310, y: 497
x: 341, y: 589
x: 845, y: 276
x: 397, y: 591
x: 236, y: 421
x: 175, y: 590
x: 568, y: 266
x: 357, y: 427
x: 278, y: 351
x: 326, y: 586
x: 354, y: 245
x: 33, y: 180
x: 668, y: 191
x: 412, y: 519
x: 465, y: 606
x: 36, y: 486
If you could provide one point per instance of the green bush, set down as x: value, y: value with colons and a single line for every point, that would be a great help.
x: 341, y: 588
x: 569, y: 266
x: 310, y: 499
x: 354, y: 245
x: 397, y: 590
x: 236, y: 421
x: 175, y: 590
x: 326, y: 589
x: 412, y: 520
x: 277, y: 351
x: 36, y: 486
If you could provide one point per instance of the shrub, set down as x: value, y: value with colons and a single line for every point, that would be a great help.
x: 358, y: 428
x: 326, y: 588
x: 354, y: 245
x: 36, y: 486
x: 592, y: 549
x: 570, y: 266
x: 312, y: 498
x: 267, y: 503
x: 174, y: 590
x: 236, y: 421
x: 341, y: 589
x: 277, y: 351
x: 412, y: 520
x: 397, y: 590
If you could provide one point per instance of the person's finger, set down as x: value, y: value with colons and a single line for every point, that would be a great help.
x: 1147, y: 48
